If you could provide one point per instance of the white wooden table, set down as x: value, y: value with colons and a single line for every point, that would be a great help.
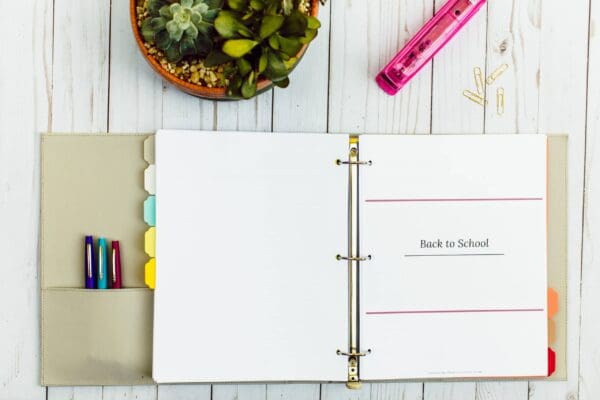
x: 68, y: 65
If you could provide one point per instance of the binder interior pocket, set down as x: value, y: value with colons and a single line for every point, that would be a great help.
x: 96, y: 337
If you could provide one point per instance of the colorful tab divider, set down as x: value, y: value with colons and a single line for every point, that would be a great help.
x: 150, y: 273
x: 150, y: 211
x: 150, y: 241
x: 551, y: 361
x: 150, y: 179
x: 552, y: 310
x: 149, y: 150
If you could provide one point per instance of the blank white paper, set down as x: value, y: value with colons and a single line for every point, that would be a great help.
x: 247, y: 229
x: 456, y: 226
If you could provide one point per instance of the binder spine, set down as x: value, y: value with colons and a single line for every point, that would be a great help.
x: 353, y: 260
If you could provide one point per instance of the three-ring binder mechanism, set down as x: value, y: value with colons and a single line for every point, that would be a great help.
x: 353, y: 259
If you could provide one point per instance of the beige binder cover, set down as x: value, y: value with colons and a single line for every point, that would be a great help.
x: 93, y: 185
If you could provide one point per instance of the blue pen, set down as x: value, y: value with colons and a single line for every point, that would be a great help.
x: 102, y: 282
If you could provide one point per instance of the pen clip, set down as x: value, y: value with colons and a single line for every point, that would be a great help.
x: 100, y: 262
x: 114, y: 265
x: 88, y: 259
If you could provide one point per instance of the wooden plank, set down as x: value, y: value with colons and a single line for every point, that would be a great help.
x: 129, y: 392
x: 135, y: 105
x: 589, y: 350
x: 335, y: 391
x: 25, y: 100
x: 246, y: 115
x: 513, y: 38
x: 135, y: 90
x: 75, y: 393
x: 182, y: 111
x: 81, y: 66
x: 452, y: 113
x: 394, y: 391
x: 293, y: 392
x: 302, y: 107
x: 80, y: 84
x: 239, y: 392
x: 184, y: 392
x: 365, y: 36
x: 453, y: 73
x: 562, y: 108
x: 449, y: 391
x: 518, y: 390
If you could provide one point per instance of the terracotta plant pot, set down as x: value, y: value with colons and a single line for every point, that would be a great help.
x: 191, y: 88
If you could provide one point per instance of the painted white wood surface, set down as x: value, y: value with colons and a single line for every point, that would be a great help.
x: 72, y: 66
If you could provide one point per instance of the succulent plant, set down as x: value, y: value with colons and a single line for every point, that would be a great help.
x: 181, y: 28
x: 264, y: 38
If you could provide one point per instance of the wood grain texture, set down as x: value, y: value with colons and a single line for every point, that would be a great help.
x: 302, y: 107
x: 239, y: 392
x: 450, y: 391
x: 80, y: 104
x: 25, y: 85
x: 135, y: 91
x: 365, y: 36
x: 129, y: 392
x: 451, y: 114
x: 293, y: 392
x: 513, y: 38
x: 589, y: 350
x: 80, y: 66
x: 184, y: 392
x: 75, y: 393
x: 453, y: 73
x: 562, y: 108
x: 501, y: 390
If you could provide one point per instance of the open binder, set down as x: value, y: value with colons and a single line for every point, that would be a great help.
x: 71, y: 356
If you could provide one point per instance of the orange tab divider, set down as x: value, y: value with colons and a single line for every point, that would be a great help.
x: 552, y: 302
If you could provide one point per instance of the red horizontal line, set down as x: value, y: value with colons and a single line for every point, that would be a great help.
x: 493, y: 310
x: 454, y: 199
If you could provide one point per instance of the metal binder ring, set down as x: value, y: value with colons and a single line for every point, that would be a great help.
x: 340, y: 162
x: 339, y: 257
x: 353, y: 353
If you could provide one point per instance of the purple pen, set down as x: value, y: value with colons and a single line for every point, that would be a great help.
x: 90, y: 281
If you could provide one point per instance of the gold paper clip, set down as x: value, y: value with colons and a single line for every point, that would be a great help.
x: 478, y: 75
x: 496, y: 74
x: 500, y: 99
x: 474, y: 97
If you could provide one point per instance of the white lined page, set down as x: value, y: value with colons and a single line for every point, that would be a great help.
x: 248, y: 287
x: 429, y: 307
